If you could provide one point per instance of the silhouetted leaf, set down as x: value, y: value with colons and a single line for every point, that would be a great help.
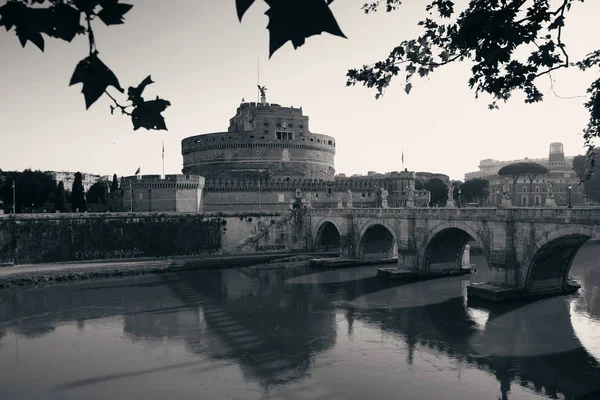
x: 242, y: 6
x: 408, y: 88
x: 112, y: 11
x: 65, y: 22
x: 96, y: 77
x: 86, y: 6
x: 135, y: 94
x: 147, y: 115
x: 297, y: 20
x: 29, y: 23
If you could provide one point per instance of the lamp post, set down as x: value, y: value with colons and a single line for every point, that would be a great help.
x: 259, y: 197
x: 459, y: 192
x: 14, y: 206
x: 570, y: 205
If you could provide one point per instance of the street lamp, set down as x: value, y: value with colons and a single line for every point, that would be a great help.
x: 259, y: 199
x: 14, y: 207
x: 570, y: 205
x: 459, y: 192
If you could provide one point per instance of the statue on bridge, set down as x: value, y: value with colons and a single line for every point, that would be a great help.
x: 340, y: 203
x: 505, y: 188
x: 450, y: 201
x: 308, y: 200
x: 349, y: 201
x: 550, y: 187
x: 384, y: 197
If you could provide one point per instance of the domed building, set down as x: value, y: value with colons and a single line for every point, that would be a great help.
x: 264, y: 141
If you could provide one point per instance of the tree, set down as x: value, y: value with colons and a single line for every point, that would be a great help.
x: 96, y: 194
x: 60, y: 198
x: 591, y: 184
x: 511, y: 44
x: 78, y: 202
x: 63, y: 20
x: 475, y: 190
x: 32, y: 189
x: 115, y: 184
x: 529, y: 169
x: 438, y: 190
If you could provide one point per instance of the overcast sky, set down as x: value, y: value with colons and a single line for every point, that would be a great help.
x: 204, y: 61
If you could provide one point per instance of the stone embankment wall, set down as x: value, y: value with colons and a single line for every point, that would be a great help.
x: 47, y: 238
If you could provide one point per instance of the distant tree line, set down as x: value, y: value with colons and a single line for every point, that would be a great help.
x: 472, y: 191
x: 36, y: 191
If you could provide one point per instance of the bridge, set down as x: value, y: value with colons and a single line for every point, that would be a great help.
x: 529, y: 250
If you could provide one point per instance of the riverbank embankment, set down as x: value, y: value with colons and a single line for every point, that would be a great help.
x: 35, y: 274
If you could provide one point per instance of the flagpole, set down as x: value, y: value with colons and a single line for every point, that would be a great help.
x: 402, y: 159
x: 130, y: 195
x: 163, y: 159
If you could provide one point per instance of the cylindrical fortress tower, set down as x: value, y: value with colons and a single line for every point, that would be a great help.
x: 263, y: 141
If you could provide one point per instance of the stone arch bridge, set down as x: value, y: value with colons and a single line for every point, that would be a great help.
x: 529, y: 250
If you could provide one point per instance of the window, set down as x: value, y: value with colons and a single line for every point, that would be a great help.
x: 280, y: 135
x: 537, y: 189
x: 266, y: 123
x: 281, y: 197
x: 330, y: 143
x: 524, y: 190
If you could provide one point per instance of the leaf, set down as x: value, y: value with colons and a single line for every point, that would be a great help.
x: 86, y: 6
x: 96, y: 77
x: 408, y: 87
x: 296, y: 20
x: 147, y: 115
x: 135, y: 94
x: 112, y: 12
x: 29, y: 23
x: 242, y: 6
x: 65, y: 22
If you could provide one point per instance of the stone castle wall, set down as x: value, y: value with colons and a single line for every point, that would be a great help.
x: 47, y: 238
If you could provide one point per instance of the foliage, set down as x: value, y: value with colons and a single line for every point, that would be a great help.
x: 114, y: 186
x: 78, y: 199
x: 31, y: 188
x: 65, y: 19
x: 591, y: 183
x: 475, y: 190
x: 96, y: 193
x: 438, y: 190
x: 60, y: 198
x: 492, y: 35
x: 419, y: 183
x: 294, y: 20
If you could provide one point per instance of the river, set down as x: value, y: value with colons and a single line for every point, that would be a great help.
x: 296, y: 333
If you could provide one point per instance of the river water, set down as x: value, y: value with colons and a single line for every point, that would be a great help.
x: 296, y: 333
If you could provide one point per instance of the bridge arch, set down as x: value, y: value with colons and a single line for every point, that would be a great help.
x: 548, y: 262
x: 327, y: 236
x: 377, y: 240
x: 444, y: 246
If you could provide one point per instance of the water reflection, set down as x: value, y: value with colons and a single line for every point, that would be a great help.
x: 299, y: 331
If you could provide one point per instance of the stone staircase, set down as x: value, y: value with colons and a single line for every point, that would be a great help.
x: 252, y: 241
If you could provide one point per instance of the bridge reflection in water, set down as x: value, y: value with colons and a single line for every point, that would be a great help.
x: 296, y: 333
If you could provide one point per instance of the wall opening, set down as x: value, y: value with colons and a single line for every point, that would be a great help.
x: 328, y: 238
x: 551, y: 264
x: 377, y: 243
x: 446, y: 249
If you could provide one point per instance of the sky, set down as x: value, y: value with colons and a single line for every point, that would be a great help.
x: 205, y: 61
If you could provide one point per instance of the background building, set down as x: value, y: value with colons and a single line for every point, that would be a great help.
x: 561, y: 172
x: 67, y: 178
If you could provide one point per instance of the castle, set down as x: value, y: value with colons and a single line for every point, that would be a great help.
x: 268, y: 160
